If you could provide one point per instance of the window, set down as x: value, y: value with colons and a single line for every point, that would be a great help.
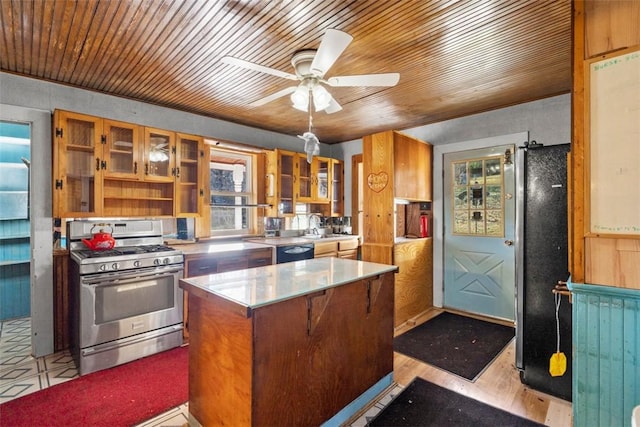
x: 477, y: 195
x: 233, y: 195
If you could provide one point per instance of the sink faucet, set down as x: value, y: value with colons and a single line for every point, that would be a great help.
x: 313, y: 228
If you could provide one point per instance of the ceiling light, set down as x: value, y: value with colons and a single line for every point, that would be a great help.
x: 300, y: 98
x: 321, y: 97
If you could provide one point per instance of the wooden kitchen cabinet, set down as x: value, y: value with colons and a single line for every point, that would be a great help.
x: 294, y: 362
x: 325, y: 249
x: 337, y: 188
x: 412, y: 168
x: 204, y: 263
x: 159, y: 155
x: 105, y: 167
x: 282, y: 173
x: 291, y: 179
x: 76, y: 168
x: 123, y: 150
x: 190, y: 176
x: 346, y: 249
x: 313, y: 179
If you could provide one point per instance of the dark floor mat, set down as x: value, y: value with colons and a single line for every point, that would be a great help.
x: 461, y: 345
x: 423, y: 403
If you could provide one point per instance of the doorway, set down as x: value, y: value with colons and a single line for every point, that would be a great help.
x: 440, y: 194
x: 15, y: 230
x: 479, y: 232
x: 40, y: 224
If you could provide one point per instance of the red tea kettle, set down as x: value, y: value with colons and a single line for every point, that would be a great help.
x: 101, y: 241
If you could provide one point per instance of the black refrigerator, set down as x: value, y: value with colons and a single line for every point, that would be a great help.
x: 543, y: 261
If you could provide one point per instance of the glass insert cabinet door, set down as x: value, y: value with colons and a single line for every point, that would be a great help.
x: 322, y: 179
x: 159, y: 152
x: 286, y: 182
x: 305, y: 180
x: 477, y: 197
x: 78, y: 164
x: 122, y: 149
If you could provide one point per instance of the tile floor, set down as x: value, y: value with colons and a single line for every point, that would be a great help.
x: 22, y: 374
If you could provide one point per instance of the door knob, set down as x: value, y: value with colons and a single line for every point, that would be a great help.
x: 508, y: 242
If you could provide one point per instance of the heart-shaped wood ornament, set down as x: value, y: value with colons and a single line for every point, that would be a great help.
x: 377, y: 181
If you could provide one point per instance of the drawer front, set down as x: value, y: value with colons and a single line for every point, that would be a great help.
x: 345, y: 245
x: 232, y: 264
x: 321, y: 248
x: 201, y: 267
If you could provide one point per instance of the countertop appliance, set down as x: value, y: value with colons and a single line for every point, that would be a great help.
x: 291, y: 253
x: 125, y: 302
x: 542, y: 181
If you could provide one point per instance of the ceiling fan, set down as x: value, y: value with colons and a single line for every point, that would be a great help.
x: 310, y: 67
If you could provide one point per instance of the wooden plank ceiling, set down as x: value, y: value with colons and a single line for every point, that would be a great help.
x: 455, y: 58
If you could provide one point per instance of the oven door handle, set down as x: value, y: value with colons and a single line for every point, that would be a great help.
x: 131, y: 277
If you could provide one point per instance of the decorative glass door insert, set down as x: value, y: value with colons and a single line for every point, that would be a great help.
x: 478, y: 194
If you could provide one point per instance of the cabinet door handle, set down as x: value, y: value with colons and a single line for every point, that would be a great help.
x: 178, y: 172
x: 146, y: 168
x: 135, y: 167
x: 97, y: 163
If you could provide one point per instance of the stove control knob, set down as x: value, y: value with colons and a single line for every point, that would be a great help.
x: 103, y: 267
x: 136, y: 263
x: 115, y: 266
x: 165, y: 261
x: 156, y: 261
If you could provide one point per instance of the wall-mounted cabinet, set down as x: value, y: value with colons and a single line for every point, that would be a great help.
x: 313, y: 180
x: 291, y: 179
x: 108, y: 168
x: 190, y: 176
x: 77, y: 172
x: 337, y: 187
x: 282, y: 174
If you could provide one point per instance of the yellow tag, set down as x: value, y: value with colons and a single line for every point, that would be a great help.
x: 557, y: 364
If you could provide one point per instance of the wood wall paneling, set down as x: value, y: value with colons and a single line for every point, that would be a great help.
x: 598, y: 28
x: 414, y: 284
x: 613, y: 261
x: 610, y: 25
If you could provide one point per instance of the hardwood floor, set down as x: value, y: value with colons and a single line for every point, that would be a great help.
x: 499, y: 385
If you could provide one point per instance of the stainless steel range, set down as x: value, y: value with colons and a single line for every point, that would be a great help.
x: 126, y: 303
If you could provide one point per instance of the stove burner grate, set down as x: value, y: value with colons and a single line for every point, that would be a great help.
x: 124, y: 250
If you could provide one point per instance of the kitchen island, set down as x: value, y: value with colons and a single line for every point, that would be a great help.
x: 301, y: 343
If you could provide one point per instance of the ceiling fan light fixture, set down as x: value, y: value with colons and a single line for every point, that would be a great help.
x: 300, y: 98
x: 321, y: 97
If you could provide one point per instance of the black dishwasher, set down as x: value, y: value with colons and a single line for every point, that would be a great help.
x: 290, y: 253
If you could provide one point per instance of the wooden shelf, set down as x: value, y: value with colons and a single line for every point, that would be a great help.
x: 73, y: 147
x: 138, y: 198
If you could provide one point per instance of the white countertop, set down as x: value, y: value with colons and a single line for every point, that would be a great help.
x: 286, y: 241
x: 255, y: 287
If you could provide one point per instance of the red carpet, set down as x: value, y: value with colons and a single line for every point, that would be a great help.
x: 122, y: 396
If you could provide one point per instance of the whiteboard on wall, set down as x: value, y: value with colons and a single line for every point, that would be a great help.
x: 614, y: 142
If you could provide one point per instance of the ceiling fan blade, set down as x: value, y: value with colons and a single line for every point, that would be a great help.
x: 256, y: 67
x: 333, y: 107
x: 386, y: 79
x: 331, y: 47
x: 273, y: 96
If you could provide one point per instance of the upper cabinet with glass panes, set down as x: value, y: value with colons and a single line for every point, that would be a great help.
x: 190, y: 176
x: 313, y: 179
x: 104, y: 167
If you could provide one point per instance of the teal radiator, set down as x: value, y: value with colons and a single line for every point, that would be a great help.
x: 606, y: 355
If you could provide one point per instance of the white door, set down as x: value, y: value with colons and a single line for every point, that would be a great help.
x: 479, y: 231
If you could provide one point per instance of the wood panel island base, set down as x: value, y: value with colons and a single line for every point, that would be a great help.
x: 295, y: 344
